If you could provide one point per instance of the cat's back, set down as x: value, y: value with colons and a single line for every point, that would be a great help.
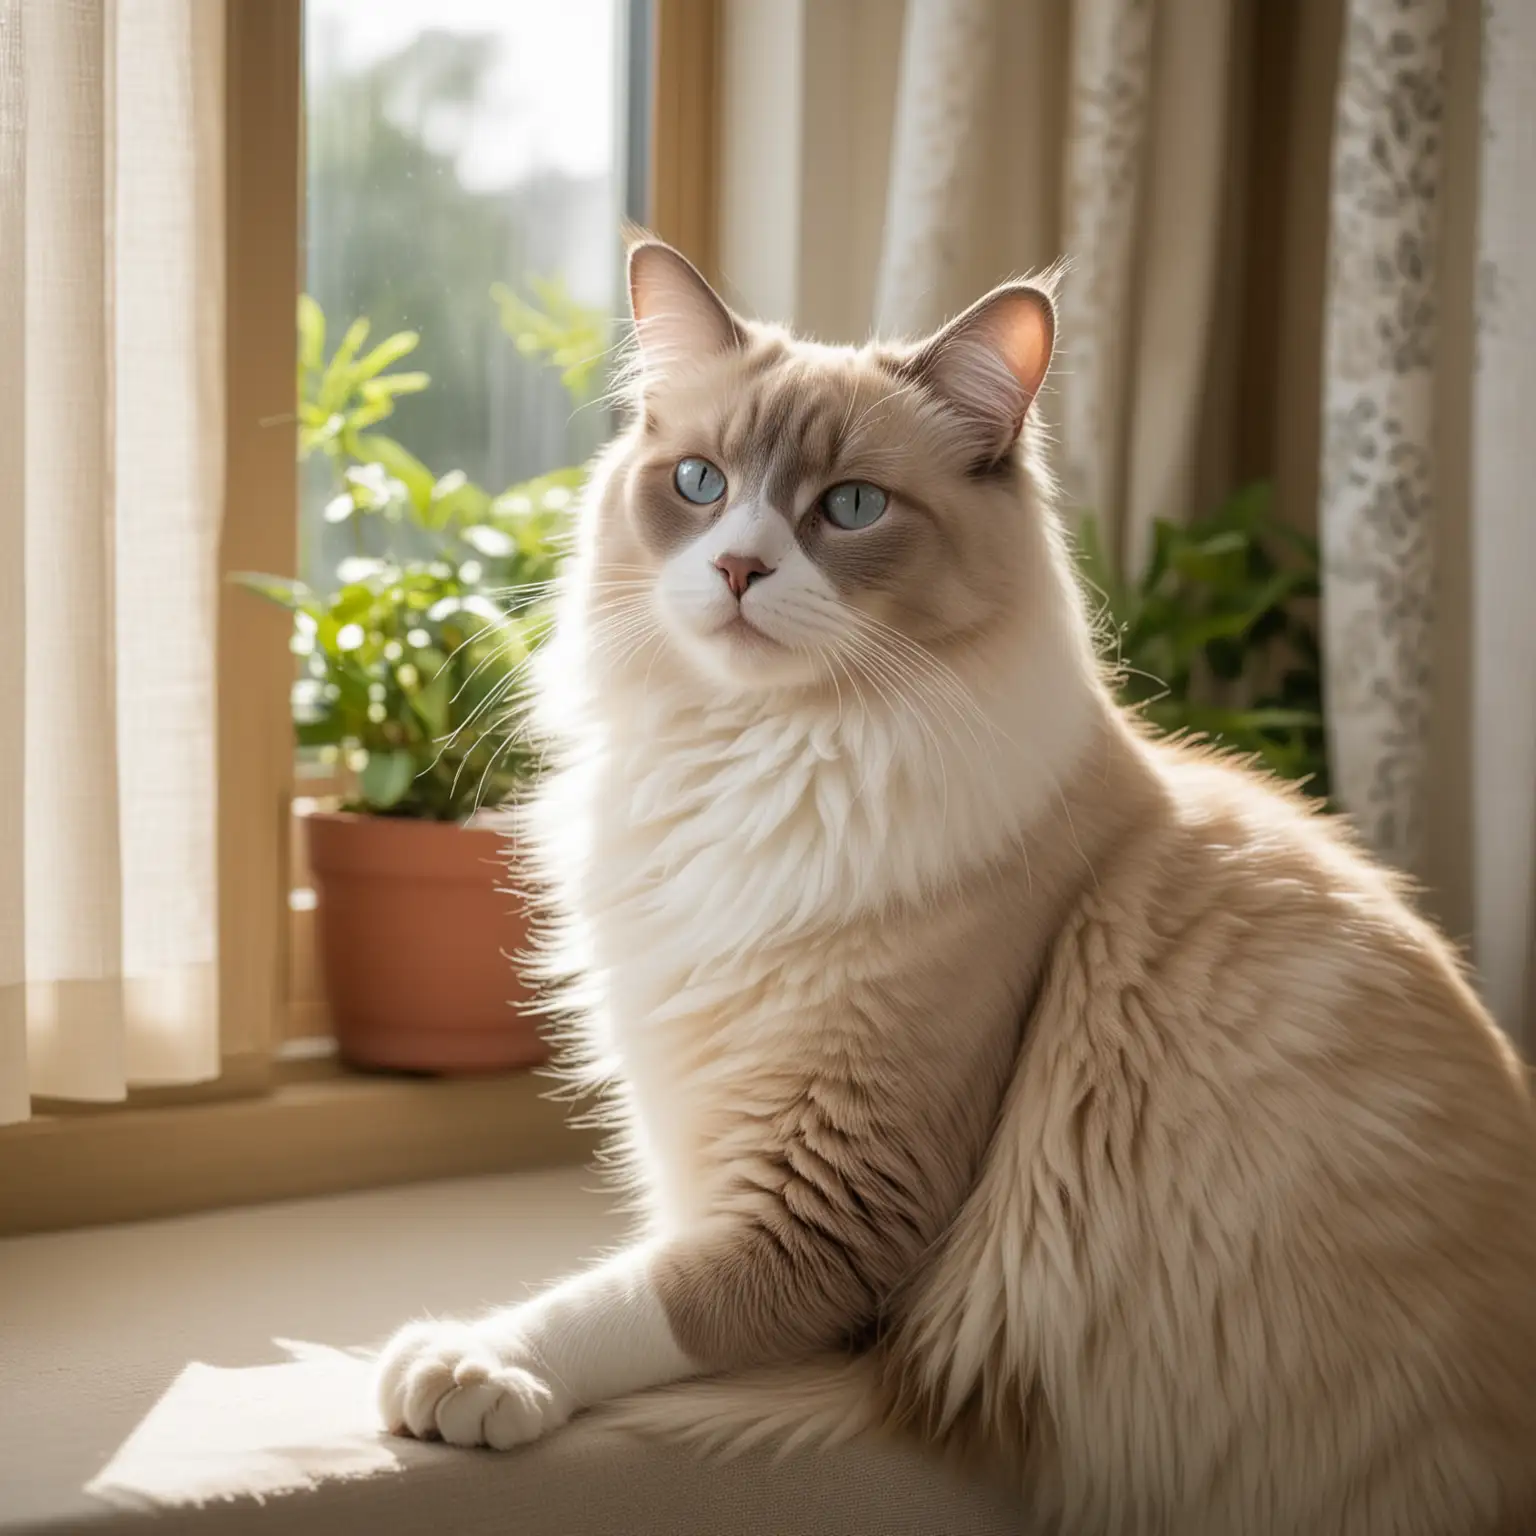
x: 1301, y: 1163
x: 1264, y: 929
x: 1296, y: 1019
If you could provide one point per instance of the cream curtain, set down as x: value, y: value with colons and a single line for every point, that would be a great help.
x: 1429, y: 459
x: 1103, y: 129
x: 111, y: 454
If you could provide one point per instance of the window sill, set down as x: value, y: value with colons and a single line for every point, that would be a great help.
x: 149, y: 1391
x: 322, y: 1131
x: 110, y: 1339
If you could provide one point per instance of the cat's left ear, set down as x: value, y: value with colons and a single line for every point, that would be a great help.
x: 988, y: 364
x: 678, y: 316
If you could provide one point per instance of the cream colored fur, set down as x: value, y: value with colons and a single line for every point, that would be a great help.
x: 990, y: 1072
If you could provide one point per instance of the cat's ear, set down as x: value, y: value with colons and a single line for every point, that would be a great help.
x: 988, y: 364
x: 678, y: 316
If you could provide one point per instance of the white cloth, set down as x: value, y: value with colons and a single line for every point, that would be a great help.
x: 111, y: 462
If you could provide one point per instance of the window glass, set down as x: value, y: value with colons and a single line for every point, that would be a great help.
x: 464, y: 157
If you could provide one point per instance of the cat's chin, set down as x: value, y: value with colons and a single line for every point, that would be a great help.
x: 739, y: 653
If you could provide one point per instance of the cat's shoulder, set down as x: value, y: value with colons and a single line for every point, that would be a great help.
x: 1233, y: 891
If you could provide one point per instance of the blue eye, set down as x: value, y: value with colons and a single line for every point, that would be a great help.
x: 699, y: 481
x: 853, y: 504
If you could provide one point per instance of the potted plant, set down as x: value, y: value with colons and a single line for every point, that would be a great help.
x: 1216, y: 638
x: 412, y: 669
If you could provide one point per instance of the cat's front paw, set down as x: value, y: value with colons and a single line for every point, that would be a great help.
x: 450, y: 1381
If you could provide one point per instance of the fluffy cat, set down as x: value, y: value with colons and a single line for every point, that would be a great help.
x: 1073, y: 1099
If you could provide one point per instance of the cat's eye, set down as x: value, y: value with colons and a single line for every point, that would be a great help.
x: 853, y: 504
x: 698, y: 481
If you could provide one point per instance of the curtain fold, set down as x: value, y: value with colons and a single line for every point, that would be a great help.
x: 1133, y: 99
x: 1376, y: 513
x: 938, y: 157
x: 111, y: 450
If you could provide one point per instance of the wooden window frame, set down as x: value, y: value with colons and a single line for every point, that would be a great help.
x: 683, y: 195
x: 263, y: 193
x: 265, y: 1130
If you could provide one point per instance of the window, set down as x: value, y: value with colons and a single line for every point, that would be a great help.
x: 465, y: 159
x: 411, y: 121
x: 458, y: 152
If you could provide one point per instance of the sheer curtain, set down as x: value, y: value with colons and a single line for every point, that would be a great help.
x: 1428, y: 535
x: 111, y: 456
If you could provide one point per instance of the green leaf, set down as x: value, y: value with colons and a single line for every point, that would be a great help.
x: 394, y: 384
x: 1303, y: 544
x: 1223, y: 607
x: 563, y: 333
x: 432, y: 704
x: 456, y: 498
x: 388, y: 352
x: 417, y: 479
x: 327, y: 731
x: 1249, y: 508
x: 337, y: 381
x: 1165, y: 536
x: 283, y: 590
x: 1217, y: 561
x: 1282, y: 719
x: 386, y: 777
x: 352, y: 603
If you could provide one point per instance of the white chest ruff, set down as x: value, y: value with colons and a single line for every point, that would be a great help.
x: 708, y: 862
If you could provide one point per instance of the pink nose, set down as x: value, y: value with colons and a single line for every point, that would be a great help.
x: 740, y: 571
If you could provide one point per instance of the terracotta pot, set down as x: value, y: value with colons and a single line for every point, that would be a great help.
x: 417, y: 933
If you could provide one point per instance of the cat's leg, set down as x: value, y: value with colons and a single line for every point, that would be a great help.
x: 738, y: 1293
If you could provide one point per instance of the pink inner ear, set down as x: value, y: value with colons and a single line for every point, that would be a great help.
x: 677, y: 314
x: 990, y: 363
x: 1025, y: 340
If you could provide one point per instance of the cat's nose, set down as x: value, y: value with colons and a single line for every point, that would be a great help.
x: 740, y: 571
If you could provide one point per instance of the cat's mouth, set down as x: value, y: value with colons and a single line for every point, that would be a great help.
x: 740, y: 630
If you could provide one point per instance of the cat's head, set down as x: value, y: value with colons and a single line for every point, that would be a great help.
x: 786, y: 514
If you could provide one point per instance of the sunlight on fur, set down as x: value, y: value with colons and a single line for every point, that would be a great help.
x: 987, y: 1070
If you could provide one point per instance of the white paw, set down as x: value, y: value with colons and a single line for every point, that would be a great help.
x: 448, y: 1381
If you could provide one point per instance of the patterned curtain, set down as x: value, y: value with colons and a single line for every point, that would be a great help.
x: 1379, y: 414
x: 1406, y: 503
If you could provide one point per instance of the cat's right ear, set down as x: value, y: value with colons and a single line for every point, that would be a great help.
x: 988, y: 365
x: 678, y: 316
